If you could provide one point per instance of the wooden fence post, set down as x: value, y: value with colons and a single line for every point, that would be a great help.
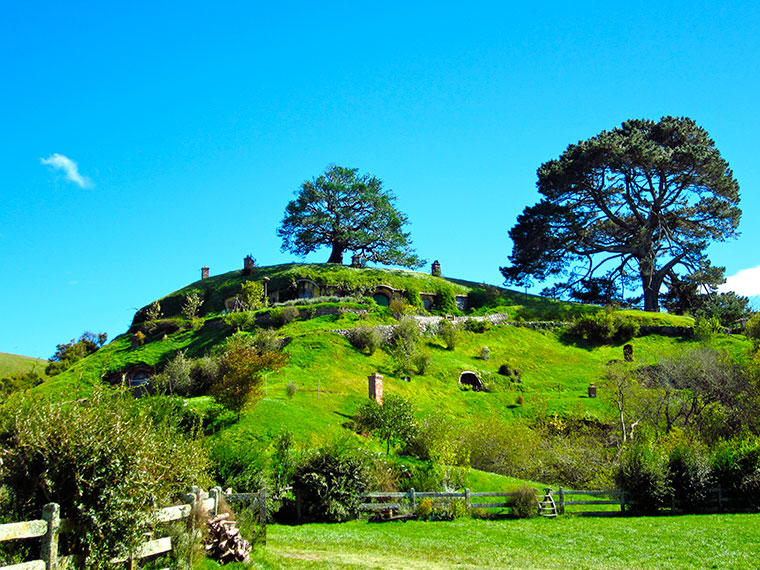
x: 49, y: 549
x: 191, y: 498
x: 263, y: 514
x: 412, y: 499
x: 622, y: 501
x: 467, y: 499
x: 561, y: 501
x: 215, y: 494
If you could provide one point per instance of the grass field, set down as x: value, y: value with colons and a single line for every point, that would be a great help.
x: 17, y: 364
x: 685, y: 542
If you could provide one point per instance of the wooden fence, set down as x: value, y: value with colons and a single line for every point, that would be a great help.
x: 717, y: 500
x: 384, y: 501
x: 51, y: 526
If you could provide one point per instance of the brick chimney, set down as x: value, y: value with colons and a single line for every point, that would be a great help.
x: 376, y: 387
x: 435, y: 270
x: 204, y: 272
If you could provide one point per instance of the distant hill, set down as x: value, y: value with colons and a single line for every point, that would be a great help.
x: 16, y: 364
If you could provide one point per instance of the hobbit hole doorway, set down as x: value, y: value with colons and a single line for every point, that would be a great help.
x: 468, y: 378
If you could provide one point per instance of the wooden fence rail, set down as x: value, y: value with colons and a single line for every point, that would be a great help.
x: 717, y: 500
x: 51, y: 526
x: 380, y: 501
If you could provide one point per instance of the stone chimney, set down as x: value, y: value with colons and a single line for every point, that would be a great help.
x: 248, y: 264
x: 376, y: 388
x: 436, y: 269
x: 591, y: 390
x: 204, y: 272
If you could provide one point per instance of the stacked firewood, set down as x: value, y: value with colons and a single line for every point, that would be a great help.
x: 224, y: 542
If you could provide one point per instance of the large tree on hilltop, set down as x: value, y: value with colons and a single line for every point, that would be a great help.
x: 347, y: 212
x: 645, y: 198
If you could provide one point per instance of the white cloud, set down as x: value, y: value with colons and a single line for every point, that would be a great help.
x: 746, y: 282
x: 69, y: 168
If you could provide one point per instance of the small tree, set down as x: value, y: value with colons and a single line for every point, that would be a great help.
x: 252, y: 295
x: 192, y: 304
x: 241, y: 366
x: 393, y: 421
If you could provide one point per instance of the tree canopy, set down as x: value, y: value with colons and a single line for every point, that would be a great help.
x: 643, y: 199
x: 347, y: 212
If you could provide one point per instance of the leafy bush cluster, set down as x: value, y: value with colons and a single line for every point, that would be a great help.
x: 604, y: 328
x: 68, y: 353
x: 367, y: 339
x: 679, y: 472
x: 19, y: 382
x: 107, y: 462
x: 405, y: 348
x: 330, y: 484
x: 475, y: 326
x: 232, y: 375
x: 449, y: 334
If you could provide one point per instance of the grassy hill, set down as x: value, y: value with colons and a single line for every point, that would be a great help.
x: 330, y: 375
x: 11, y: 364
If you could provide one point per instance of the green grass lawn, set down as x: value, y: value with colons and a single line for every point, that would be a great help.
x: 704, y: 541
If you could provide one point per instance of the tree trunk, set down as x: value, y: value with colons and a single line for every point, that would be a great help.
x: 651, y: 281
x: 651, y: 299
x: 337, y: 254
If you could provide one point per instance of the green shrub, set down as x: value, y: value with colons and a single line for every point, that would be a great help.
x: 19, y: 382
x: 252, y: 295
x: 240, y: 320
x: 176, y: 376
x: 330, y: 484
x: 283, y: 460
x: 604, y: 328
x: 368, y: 339
x: 690, y: 475
x: 67, y: 354
x: 106, y: 462
x: 422, y: 361
x: 412, y: 296
x: 752, y: 330
x: 525, y: 503
x: 736, y: 464
x: 192, y: 305
x: 153, y: 312
x: 642, y: 473
x: 204, y: 372
x: 446, y: 301
x: 505, y: 369
x: 704, y: 329
x: 476, y: 326
x: 399, y: 308
x: 281, y: 316
x: 448, y: 334
x: 404, y: 346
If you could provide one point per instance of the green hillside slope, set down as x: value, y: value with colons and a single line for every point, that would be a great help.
x: 11, y: 364
x: 330, y: 375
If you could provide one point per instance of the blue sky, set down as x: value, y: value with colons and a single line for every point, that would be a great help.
x: 143, y: 141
